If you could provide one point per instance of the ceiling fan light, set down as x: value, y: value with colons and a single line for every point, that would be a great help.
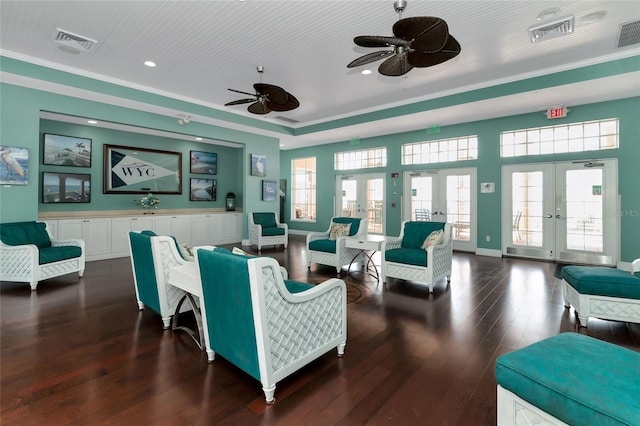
x: 558, y: 28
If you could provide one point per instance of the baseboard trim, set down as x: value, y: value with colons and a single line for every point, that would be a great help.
x: 488, y: 252
x: 298, y: 232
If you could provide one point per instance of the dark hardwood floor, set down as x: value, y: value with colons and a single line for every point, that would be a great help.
x: 80, y: 352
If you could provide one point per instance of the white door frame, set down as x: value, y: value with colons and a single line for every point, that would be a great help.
x: 362, y: 209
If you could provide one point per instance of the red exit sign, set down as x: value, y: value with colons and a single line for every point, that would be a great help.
x: 557, y: 112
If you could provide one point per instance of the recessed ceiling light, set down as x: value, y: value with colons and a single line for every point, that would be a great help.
x: 150, y: 63
x: 92, y: 122
x: 198, y: 139
x: 366, y: 72
x: 593, y: 17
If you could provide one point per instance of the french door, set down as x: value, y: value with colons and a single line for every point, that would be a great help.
x: 561, y: 211
x: 449, y: 196
x: 362, y: 196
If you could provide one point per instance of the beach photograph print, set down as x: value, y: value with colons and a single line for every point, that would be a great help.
x: 14, y: 165
x: 258, y: 165
x: 61, y: 150
x: 66, y: 187
x: 203, y: 190
x: 204, y: 162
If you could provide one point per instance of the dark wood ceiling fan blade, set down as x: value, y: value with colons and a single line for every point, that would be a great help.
x: 244, y: 93
x: 422, y: 60
x: 370, y: 57
x: 395, y: 66
x: 275, y: 94
x: 292, y: 103
x: 379, y: 41
x: 259, y: 108
x: 240, y: 101
x: 429, y: 34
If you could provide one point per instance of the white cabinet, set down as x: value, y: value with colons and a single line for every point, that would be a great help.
x: 96, y: 234
x: 107, y: 238
x: 178, y: 226
x: 120, y: 227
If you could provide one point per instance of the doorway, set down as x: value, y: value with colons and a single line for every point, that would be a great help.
x: 448, y: 196
x: 558, y: 211
x: 362, y: 196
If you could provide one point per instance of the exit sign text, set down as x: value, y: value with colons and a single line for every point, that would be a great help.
x: 557, y: 112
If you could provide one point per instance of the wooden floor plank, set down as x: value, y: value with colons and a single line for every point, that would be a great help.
x: 78, y: 351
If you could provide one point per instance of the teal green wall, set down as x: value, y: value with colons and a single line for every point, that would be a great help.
x: 488, y: 168
x: 229, y: 177
x: 21, y: 106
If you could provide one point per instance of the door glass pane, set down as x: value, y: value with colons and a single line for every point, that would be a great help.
x: 584, y: 210
x: 349, y: 198
x: 459, y: 206
x: 375, y: 200
x: 421, y: 195
x: 527, y: 209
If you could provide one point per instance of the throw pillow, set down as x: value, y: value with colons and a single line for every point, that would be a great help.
x: 434, y: 238
x: 186, y: 252
x: 339, y: 230
x: 237, y: 250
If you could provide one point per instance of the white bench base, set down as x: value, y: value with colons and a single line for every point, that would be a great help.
x: 604, y: 307
x: 515, y: 411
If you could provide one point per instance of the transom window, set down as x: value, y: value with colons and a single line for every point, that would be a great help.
x: 362, y: 159
x: 441, y: 151
x: 303, y: 189
x: 573, y: 137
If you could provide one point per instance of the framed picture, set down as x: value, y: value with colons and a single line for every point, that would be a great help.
x: 269, y: 190
x: 130, y: 170
x: 66, y: 187
x: 204, y: 162
x: 14, y: 167
x: 59, y: 150
x: 203, y: 189
x: 258, y: 165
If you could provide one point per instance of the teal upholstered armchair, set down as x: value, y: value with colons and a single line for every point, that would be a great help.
x: 265, y: 230
x: 326, y: 249
x: 151, y: 257
x: 27, y: 254
x: 265, y: 325
x: 404, y: 257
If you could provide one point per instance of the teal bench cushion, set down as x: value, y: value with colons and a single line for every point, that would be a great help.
x: 409, y: 256
x: 416, y: 232
x: 267, y: 220
x: 575, y: 378
x: 20, y: 233
x: 354, y: 221
x: 602, y: 281
x: 327, y: 246
x: 269, y: 232
x: 55, y: 254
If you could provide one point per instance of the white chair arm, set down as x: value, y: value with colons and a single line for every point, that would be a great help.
x: 25, y: 250
x: 391, y: 243
x: 635, y: 266
x: 285, y: 274
x: 312, y: 236
x: 69, y: 242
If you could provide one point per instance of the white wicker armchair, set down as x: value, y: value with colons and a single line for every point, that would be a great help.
x: 439, y: 257
x: 265, y: 230
x: 265, y: 325
x: 322, y: 250
x: 30, y: 256
x: 152, y: 256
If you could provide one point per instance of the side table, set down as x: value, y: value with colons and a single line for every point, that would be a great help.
x: 368, y: 246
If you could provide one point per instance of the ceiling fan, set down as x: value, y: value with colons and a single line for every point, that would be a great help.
x: 421, y: 41
x: 267, y: 98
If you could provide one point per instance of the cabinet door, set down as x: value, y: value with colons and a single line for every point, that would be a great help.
x: 230, y: 228
x: 70, y: 228
x: 181, y: 228
x: 142, y: 223
x: 97, y: 238
x: 120, y: 227
x: 52, y: 228
x: 200, y: 229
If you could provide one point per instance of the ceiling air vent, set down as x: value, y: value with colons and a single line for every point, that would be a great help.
x: 74, y: 41
x: 629, y: 34
x: 548, y: 30
x: 288, y: 120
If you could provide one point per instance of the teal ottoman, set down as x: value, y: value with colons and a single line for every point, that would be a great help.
x: 569, y: 379
x: 600, y: 292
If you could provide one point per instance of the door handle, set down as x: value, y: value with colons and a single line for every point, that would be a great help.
x: 560, y: 217
x: 549, y: 215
